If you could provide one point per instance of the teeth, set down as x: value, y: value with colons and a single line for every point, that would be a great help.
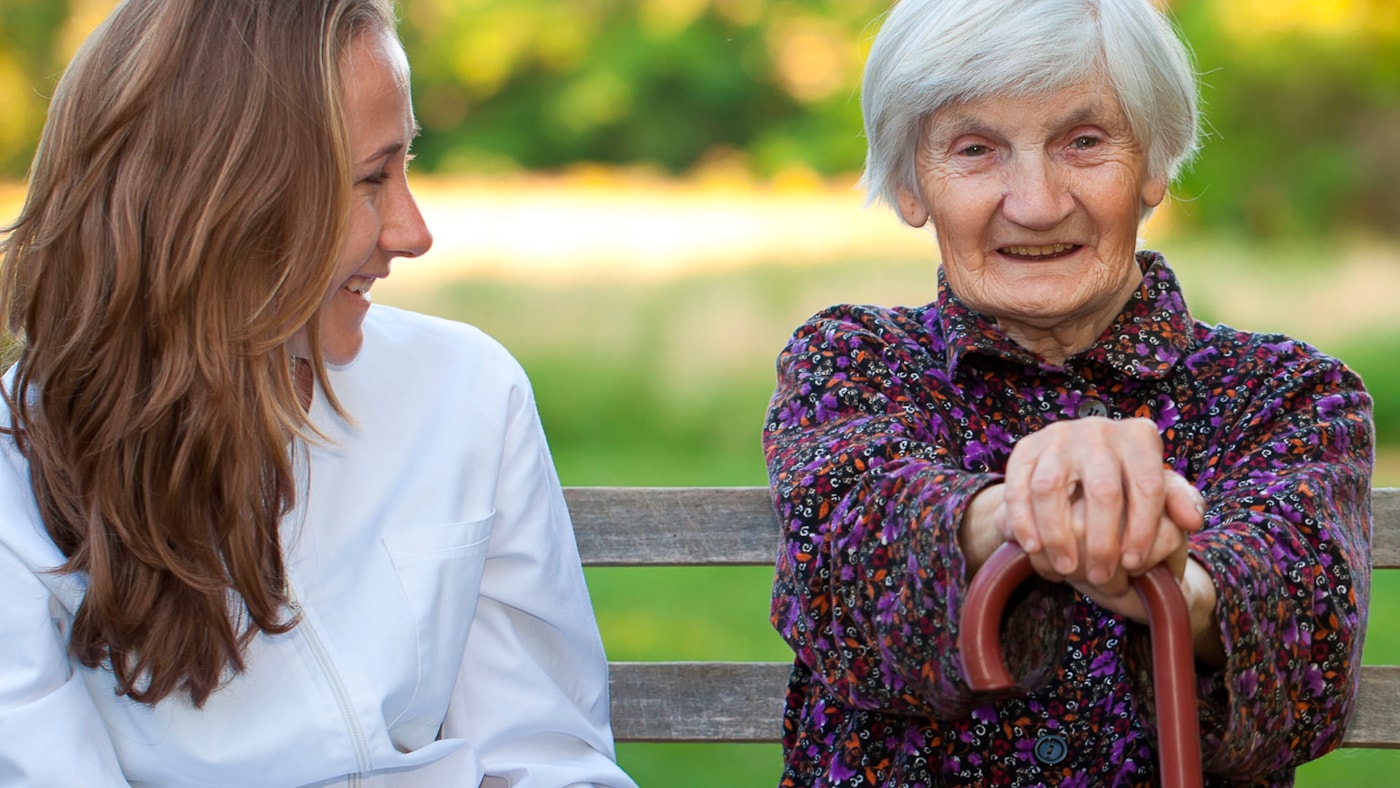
x: 1037, y: 251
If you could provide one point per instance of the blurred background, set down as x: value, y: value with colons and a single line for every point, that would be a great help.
x: 642, y: 198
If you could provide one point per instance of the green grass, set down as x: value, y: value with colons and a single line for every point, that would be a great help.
x: 665, y: 383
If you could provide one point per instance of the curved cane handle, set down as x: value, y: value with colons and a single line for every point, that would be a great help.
x: 1173, y: 668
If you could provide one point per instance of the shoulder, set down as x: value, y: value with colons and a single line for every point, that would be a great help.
x: 411, y: 343
x: 1266, y: 377
x: 861, y: 324
x: 1267, y: 358
x: 419, y: 369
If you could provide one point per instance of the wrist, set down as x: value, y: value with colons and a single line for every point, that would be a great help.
x: 978, y: 535
x: 1199, y: 591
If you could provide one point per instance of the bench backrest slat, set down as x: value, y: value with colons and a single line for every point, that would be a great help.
x: 742, y: 701
x: 736, y: 526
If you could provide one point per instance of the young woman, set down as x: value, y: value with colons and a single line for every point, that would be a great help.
x: 254, y: 531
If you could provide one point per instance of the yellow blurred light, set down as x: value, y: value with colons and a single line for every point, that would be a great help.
x: 741, y: 12
x: 667, y: 17
x: 813, y: 57
x: 22, y: 102
x: 491, y: 48
x: 565, y: 42
x: 1252, y: 20
x: 83, y: 17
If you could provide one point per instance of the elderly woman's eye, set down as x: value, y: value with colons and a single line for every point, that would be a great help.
x: 974, y: 150
x: 1084, y: 142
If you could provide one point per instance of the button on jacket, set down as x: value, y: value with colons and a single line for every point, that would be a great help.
x: 446, y: 632
x: 886, y: 422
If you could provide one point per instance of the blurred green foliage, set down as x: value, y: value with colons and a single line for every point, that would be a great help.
x: 1302, y: 98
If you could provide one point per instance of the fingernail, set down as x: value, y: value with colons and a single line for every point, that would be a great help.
x: 1132, y: 560
x: 1063, y: 565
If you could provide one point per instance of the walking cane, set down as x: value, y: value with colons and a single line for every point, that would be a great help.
x: 1173, y: 671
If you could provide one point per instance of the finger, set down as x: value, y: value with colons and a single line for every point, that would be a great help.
x: 1103, y: 513
x: 1118, y: 584
x: 1043, y: 567
x: 1175, y: 561
x: 1169, y: 540
x: 1020, y: 518
x: 1051, y: 488
x: 1183, y: 502
x: 1140, y: 455
x: 1127, y: 603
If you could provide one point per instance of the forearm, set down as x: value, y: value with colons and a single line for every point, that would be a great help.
x: 868, y: 595
x: 1291, y: 616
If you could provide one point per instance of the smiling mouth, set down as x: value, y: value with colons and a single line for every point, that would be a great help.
x: 1038, y: 252
x: 359, y: 286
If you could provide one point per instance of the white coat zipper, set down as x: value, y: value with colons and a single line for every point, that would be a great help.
x: 342, y: 697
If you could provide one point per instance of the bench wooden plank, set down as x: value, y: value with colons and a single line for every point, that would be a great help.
x: 703, y: 701
x: 735, y: 526
x: 1376, y: 722
x: 742, y: 702
x: 1385, y: 541
x: 673, y: 526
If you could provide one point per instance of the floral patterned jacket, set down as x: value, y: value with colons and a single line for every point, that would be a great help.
x: 884, y: 425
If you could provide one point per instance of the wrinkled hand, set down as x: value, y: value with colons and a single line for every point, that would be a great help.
x: 1092, y: 504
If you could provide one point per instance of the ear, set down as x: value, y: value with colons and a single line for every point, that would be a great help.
x: 1154, y: 190
x: 911, y: 207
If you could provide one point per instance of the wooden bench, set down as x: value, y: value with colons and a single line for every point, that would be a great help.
x: 743, y: 701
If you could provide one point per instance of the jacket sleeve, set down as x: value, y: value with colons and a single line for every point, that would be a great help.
x: 866, y: 462
x: 51, y: 735
x: 532, y: 694
x: 1287, y: 542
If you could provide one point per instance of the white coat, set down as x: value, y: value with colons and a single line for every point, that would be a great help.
x: 446, y: 633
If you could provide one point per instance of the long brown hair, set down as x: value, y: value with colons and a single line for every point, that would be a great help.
x: 184, y: 214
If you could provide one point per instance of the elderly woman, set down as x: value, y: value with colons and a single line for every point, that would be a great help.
x: 1059, y: 395
x: 253, y: 530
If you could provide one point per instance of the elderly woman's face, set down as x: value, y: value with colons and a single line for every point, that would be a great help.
x: 1036, y: 202
x: 384, y: 220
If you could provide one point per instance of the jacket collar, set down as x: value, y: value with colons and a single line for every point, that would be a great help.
x: 1149, y: 336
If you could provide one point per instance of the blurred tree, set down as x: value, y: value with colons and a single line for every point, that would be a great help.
x: 1302, y: 97
x: 542, y: 83
x: 29, y: 30
x: 1302, y: 101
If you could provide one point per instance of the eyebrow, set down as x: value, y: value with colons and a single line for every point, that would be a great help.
x: 393, y: 147
x: 957, y: 123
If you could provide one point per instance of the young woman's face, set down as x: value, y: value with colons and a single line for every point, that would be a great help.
x: 384, y: 220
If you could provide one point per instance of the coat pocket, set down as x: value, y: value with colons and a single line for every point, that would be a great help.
x: 439, y: 568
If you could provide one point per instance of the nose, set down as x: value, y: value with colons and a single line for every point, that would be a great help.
x: 404, y: 233
x: 1037, y: 196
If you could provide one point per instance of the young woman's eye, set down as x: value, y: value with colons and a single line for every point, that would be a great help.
x: 376, y: 179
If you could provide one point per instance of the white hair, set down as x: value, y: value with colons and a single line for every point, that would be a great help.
x: 933, y: 53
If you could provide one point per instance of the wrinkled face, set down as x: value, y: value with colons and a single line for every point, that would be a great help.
x: 1036, y: 202
x: 384, y: 220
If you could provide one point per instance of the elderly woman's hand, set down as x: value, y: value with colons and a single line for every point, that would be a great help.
x: 1090, y: 498
x: 1091, y: 502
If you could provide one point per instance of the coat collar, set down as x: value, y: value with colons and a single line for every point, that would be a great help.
x: 1149, y: 336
